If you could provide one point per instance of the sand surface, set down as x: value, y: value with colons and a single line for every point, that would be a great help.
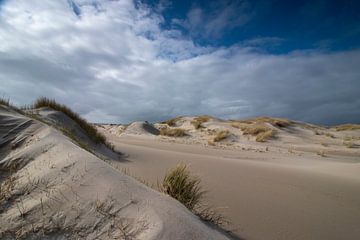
x: 282, y: 189
x: 51, y: 188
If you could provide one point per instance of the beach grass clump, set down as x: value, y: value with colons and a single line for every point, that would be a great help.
x: 173, y: 132
x: 181, y: 185
x: 221, y: 135
x: 254, y: 130
x: 260, y: 131
x: 172, y: 122
x: 5, y: 101
x: 88, y: 128
x: 186, y: 188
x: 198, y: 121
x: 347, y: 127
x: 264, y: 136
x: 277, y: 122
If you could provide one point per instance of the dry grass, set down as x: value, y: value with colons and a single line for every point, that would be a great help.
x: 179, y: 184
x: 254, y: 130
x: 259, y: 130
x: 4, y: 101
x: 88, y: 128
x: 347, y: 127
x: 221, y: 135
x: 198, y: 121
x: 172, y: 122
x: 173, y: 132
x: 264, y: 136
x: 277, y: 122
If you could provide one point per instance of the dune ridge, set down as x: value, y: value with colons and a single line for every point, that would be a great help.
x: 52, y: 188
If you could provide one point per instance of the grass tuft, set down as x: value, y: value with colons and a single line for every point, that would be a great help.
x: 347, y: 127
x: 259, y: 130
x: 89, y: 129
x: 276, y: 122
x: 221, y: 135
x: 172, y: 122
x: 4, y: 101
x: 264, y: 136
x: 173, y: 132
x: 198, y: 121
x: 179, y: 184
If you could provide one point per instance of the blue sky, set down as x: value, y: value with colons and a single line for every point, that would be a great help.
x: 287, y: 25
x: 123, y: 61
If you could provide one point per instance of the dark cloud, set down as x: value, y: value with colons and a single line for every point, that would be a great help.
x: 105, y: 66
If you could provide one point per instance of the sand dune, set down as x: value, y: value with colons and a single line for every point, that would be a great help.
x: 303, y: 183
x: 53, y: 189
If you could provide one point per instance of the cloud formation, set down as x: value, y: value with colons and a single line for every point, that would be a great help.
x: 112, y: 62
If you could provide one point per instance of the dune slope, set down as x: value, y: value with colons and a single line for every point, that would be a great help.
x: 51, y: 188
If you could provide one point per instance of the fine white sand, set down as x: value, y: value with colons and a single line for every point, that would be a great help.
x: 303, y: 184
x: 53, y: 189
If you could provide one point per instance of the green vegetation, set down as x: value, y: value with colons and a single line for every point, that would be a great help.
x: 347, y: 127
x: 88, y: 128
x: 221, y: 135
x: 198, y: 121
x: 173, y: 132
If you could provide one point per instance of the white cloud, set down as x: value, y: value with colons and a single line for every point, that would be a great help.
x: 113, y: 62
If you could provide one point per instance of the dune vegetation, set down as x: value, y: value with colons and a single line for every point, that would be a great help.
x: 198, y: 121
x: 89, y: 129
x: 347, y: 127
x: 276, y: 122
x: 186, y: 188
x: 260, y: 131
x: 173, y: 132
x: 179, y: 184
x: 221, y: 135
x: 172, y: 122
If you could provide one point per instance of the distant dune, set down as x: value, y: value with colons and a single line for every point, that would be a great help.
x: 273, y: 178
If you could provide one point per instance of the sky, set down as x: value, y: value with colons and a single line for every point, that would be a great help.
x: 122, y: 61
